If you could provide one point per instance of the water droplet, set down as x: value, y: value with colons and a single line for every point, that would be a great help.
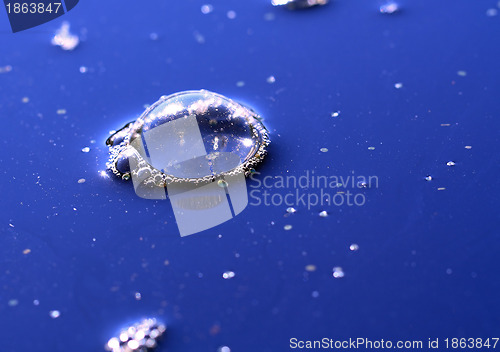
x: 36, y: 302
x: 354, y: 247
x: 54, y: 314
x: 287, y: 227
x: 231, y: 15
x: 450, y: 163
x: 233, y: 139
x: 291, y: 210
x: 336, y: 114
x: 206, y: 9
x: 27, y: 251
x: 64, y: 39
x: 362, y: 184
x: 228, y: 275
x: 25, y: 100
x: 138, y: 296
x: 61, y: 111
x: 83, y: 69
x: 371, y: 148
x: 299, y: 4
x: 428, y: 178
x: 323, y: 214
x: 323, y: 150
x: 441, y: 188
x: 271, y: 79
x: 82, y: 180
x: 462, y: 73
x: 398, y: 85
x: 389, y: 8
x: 468, y: 147
x: 85, y: 149
x: 338, y: 272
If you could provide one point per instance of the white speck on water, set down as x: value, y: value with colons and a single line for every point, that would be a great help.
x: 450, y: 163
x: 338, y: 272
x: 11, y: 225
x: 291, y: 210
x: 371, y: 148
x: 428, y: 178
x: 462, y: 73
x: 336, y: 114
x: 25, y: 100
x: 491, y: 12
x: 389, y: 8
x: 138, y: 296
x: 287, y: 227
x: 231, y: 15
x: 323, y: 150
x: 398, y: 85
x: 468, y: 147
x: 310, y: 267
x: 61, y: 111
x: 354, y: 247
x: 54, y: 314
x: 323, y: 214
x: 441, y: 188
x: 271, y: 79
x: 83, y: 69
x: 85, y: 149
x: 82, y: 180
x: 64, y: 39
x: 206, y: 9
x: 228, y: 275
x: 240, y: 84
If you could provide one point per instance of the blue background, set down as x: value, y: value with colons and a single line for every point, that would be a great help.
x: 428, y: 260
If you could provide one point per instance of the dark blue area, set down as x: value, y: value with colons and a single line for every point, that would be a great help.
x: 427, y: 264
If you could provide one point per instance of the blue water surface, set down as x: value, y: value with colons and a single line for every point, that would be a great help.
x: 427, y: 264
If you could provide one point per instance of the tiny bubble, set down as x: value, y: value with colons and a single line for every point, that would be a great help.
x: 315, y: 294
x: 206, y: 9
x: 291, y: 210
x: 61, y: 111
x: 138, y: 296
x: 428, y: 178
x: 491, y: 12
x: 54, y: 314
x: 389, y: 8
x: 82, y: 180
x: 323, y: 150
x: 228, y: 275
x: 450, y: 163
x: 85, y: 149
x: 354, y: 247
x: 83, y: 69
x: 231, y: 15
x: 398, y: 85
x: 153, y: 36
x: 287, y: 227
x: 25, y: 100
x: 335, y: 114
x: 338, y: 272
x: 462, y: 73
x: 271, y: 79
x: 323, y: 214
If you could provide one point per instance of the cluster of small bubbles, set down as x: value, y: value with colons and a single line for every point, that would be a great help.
x: 64, y: 39
x: 291, y: 210
x: 299, y: 4
x: 141, y: 337
x: 271, y: 79
x: 85, y: 149
x: 323, y: 214
x: 450, y: 163
x: 338, y: 272
x: 336, y: 114
x: 54, y: 314
x: 398, y: 85
x: 389, y: 8
x: 491, y: 12
x: 228, y: 275
x: 206, y: 9
x: 287, y: 227
x: 323, y: 150
x: 354, y: 247
x: 428, y: 178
